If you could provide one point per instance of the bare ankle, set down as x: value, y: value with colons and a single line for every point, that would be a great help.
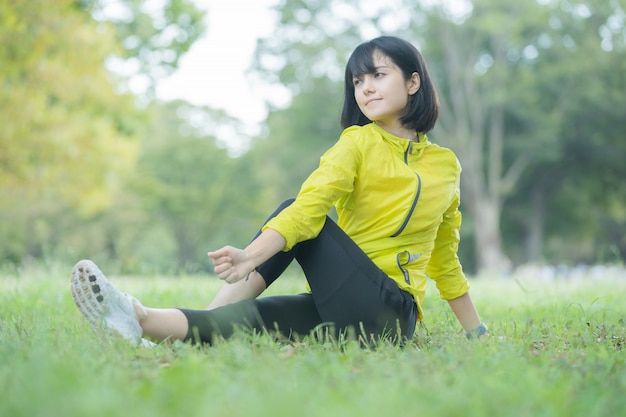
x: 141, y: 312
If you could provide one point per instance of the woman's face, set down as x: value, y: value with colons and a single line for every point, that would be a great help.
x: 383, y: 95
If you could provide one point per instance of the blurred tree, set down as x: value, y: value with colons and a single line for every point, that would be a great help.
x: 191, y: 187
x: 298, y: 136
x: 68, y: 141
x: 574, y: 199
x: 481, y: 61
x: 153, y: 36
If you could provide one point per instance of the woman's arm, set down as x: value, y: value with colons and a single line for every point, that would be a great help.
x: 464, y: 309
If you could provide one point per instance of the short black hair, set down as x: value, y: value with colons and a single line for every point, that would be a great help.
x: 423, y: 106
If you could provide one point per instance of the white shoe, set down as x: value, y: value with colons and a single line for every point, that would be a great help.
x: 105, y: 307
x: 147, y: 343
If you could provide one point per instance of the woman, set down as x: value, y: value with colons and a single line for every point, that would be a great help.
x: 397, y: 199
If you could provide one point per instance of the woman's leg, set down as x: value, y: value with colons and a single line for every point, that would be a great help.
x: 288, y: 315
x: 163, y: 323
x: 348, y: 289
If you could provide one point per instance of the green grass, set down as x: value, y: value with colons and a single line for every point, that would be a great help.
x: 556, y: 349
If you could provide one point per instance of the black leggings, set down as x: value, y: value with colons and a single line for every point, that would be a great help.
x: 349, y: 293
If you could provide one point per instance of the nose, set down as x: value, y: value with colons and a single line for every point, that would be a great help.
x: 367, y: 87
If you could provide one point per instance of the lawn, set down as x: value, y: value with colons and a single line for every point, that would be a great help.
x: 557, y: 348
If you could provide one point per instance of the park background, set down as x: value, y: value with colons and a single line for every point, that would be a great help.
x: 94, y: 162
x: 91, y: 165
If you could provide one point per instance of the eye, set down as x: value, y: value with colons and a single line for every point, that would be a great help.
x: 379, y: 74
x: 356, y: 81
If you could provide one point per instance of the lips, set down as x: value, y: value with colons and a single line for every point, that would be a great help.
x: 371, y: 100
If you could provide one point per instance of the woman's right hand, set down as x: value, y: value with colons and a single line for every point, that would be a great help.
x: 231, y: 264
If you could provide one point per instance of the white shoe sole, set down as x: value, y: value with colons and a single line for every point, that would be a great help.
x: 93, y: 295
x: 86, y: 290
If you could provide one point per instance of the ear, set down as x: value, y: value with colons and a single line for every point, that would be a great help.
x: 414, y: 83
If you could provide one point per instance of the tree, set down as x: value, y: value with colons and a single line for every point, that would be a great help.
x: 297, y: 137
x: 565, y: 207
x: 153, y: 36
x: 191, y: 188
x: 68, y: 139
x: 478, y: 62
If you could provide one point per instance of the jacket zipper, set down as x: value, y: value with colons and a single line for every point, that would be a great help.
x: 417, y: 193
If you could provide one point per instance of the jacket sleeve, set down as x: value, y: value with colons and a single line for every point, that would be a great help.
x: 444, y: 266
x: 333, y: 179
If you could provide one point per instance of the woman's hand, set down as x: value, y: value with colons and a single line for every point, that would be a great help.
x: 231, y: 264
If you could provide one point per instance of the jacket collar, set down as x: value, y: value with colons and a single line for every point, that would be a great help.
x: 401, y: 143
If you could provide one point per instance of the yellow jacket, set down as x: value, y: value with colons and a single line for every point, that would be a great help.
x: 397, y: 199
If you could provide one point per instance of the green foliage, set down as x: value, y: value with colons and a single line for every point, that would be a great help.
x: 580, y: 108
x: 66, y: 140
x: 192, y: 188
x: 555, y: 349
x: 58, y: 131
x: 69, y: 142
x: 153, y: 35
x: 297, y: 137
x: 533, y: 106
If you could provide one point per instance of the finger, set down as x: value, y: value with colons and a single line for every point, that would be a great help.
x: 222, y: 260
x: 224, y: 275
x: 222, y: 268
x: 219, y: 252
x: 232, y: 278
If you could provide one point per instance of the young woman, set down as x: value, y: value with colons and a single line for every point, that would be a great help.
x: 397, y: 199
